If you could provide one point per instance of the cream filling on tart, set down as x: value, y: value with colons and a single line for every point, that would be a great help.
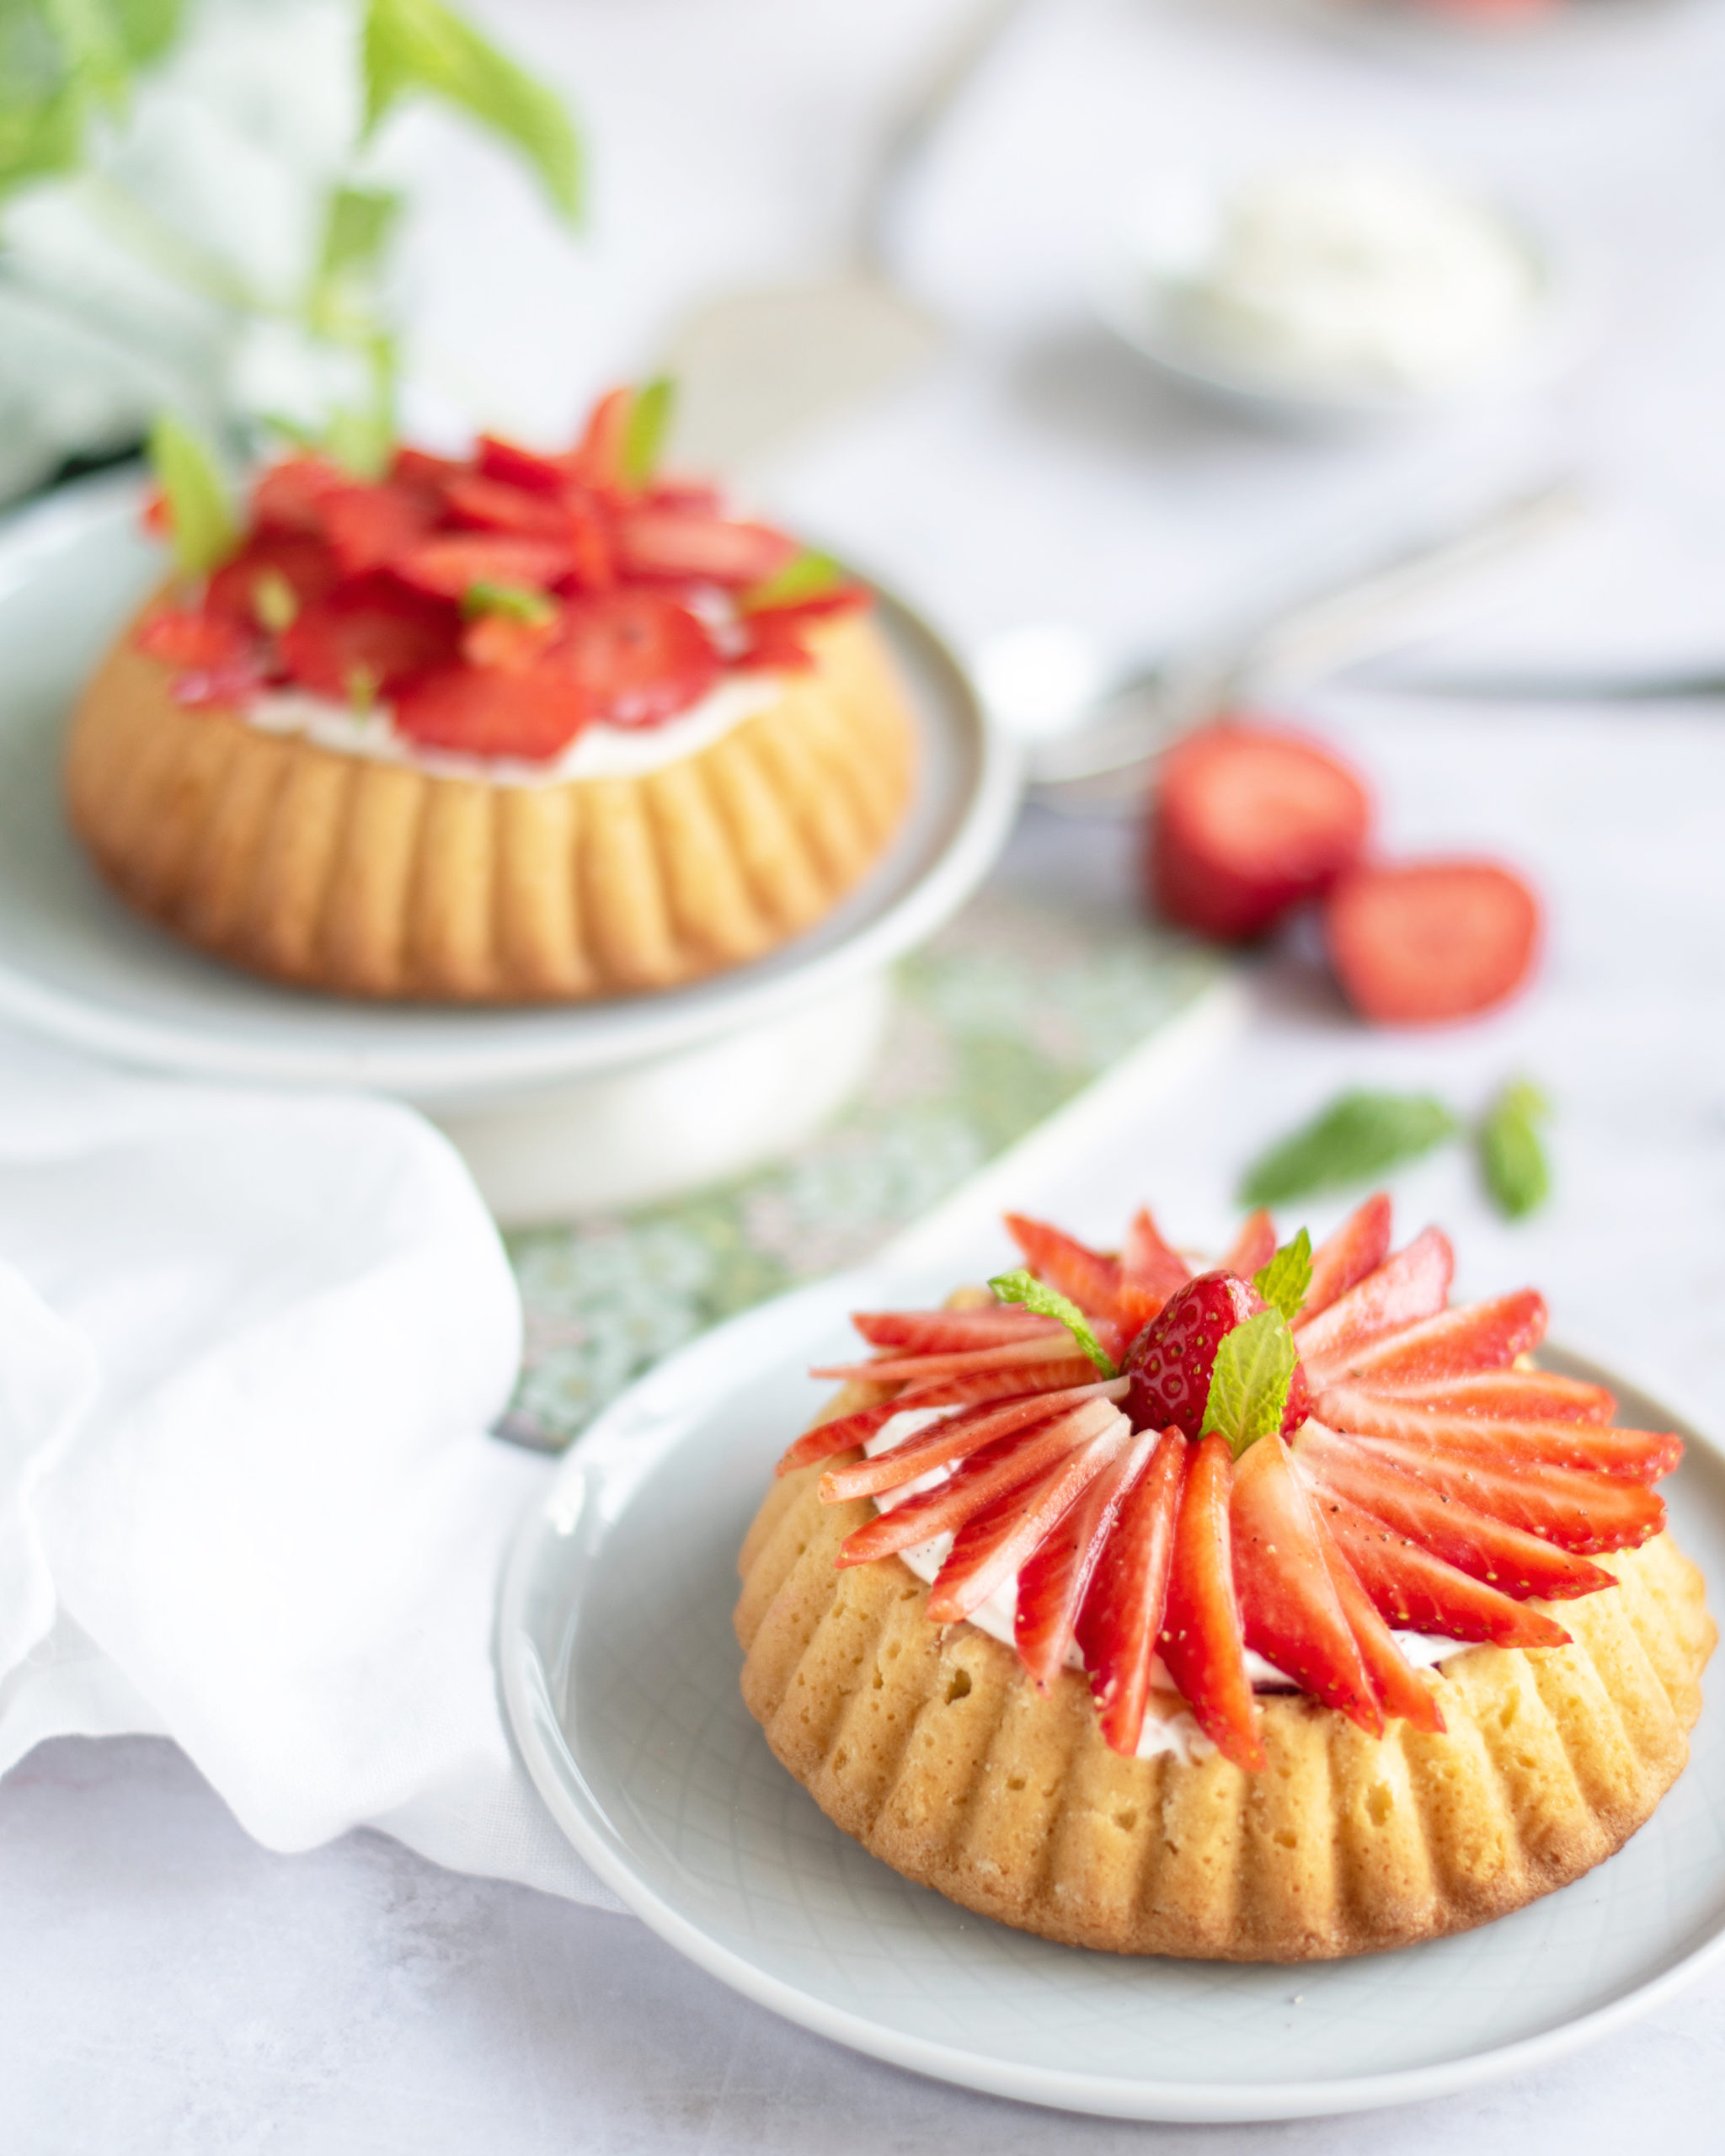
x: 1168, y: 1727
x: 597, y: 751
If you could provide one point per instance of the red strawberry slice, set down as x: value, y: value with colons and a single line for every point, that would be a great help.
x: 681, y: 545
x: 1202, y: 1642
x: 992, y: 1545
x: 775, y: 642
x: 1399, y: 1690
x: 1473, y: 1541
x: 418, y: 469
x: 304, y: 565
x: 1012, y: 1383
x: 289, y: 496
x: 1414, y: 1284
x: 200, y: 643
x: 1121, y: 1616
x: 1429, y: 941
x: 486, y: 711
x: 511, y: 466
x: 1525, y: 1444
x: 1084, y: 1276
x: 1254, y: 1246
x: 1358, y: 1246
x: 370, y: 527
x: 372, y: 631
x: 1171, y: 1361
x: 1148, y: 1264
x: 955, y: 1436
x: 1478, y: 1337
x: 1008, y: 1464
x: 450, y: 567
x: 838, y: 1434
x: 934, y: 1332
x: 491, y: 506
x: 1288, y: 1608
x: 508, y: 645
x: 637, y: 656
x: 1247, y: 822
x: 1055, y: 1577
x: 597, y: 461
x: 1419, y: 1592
x: 1590, y: 1514
x: 1506, y: 1396
x: 958, y: 1362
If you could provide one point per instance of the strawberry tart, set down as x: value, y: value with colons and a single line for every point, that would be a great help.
x: 515, y: 728
x: 1275, y: 1613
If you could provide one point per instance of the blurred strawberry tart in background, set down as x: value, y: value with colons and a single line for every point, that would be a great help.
x: 1274, y: 1613
x: 512, y: 728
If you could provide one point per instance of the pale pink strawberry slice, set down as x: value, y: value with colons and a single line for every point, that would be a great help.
x: 1505, y: 1396
x: 1018, y: 1378
x: 1253, y: 1247
x: 1358, y: 1246
x: 1171, y: 1360
x: 1417, y: 1591
x: 938, y: 1333
x: 1399, y: 1690
x: 1414, y: 1284
x: 993, y: 1543
x: 1473, y: 1541
x: 1056, y: 1576
x: 1590, y: 1514
x: 1478, y: 1337
x: 1120, y: 1620
x: 953, y: 1439
x: 1288, y: 1608
x: 962, y: 1362
x: 1150, y: 1271
x: 837, y: 1435
x: 684, y: 547
x: 1526, y: 1445
x: 1084, y: 1276
x: 1201, y: 1640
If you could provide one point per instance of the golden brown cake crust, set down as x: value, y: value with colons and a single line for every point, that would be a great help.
x: 364, y: 878
x: 934, y: 1748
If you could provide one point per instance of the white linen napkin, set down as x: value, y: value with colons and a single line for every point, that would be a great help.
x: 250, y: 1344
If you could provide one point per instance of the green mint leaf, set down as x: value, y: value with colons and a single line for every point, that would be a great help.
x: 1035, y: 1294
x: 1358, y: 1136
x: 361, y: 441
x: 1248, y: 1384
x: 420, y: 48
x: 806, y: 576
x: 648, y: 423
x: 1283, y: 1282
x: 519, y: 602
x: 199, y: 512
x: 358, y: 224
x: 1511, y: 1157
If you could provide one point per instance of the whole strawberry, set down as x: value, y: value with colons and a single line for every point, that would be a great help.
x: 1171, y: 1361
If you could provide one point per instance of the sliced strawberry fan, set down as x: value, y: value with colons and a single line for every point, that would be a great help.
x: 1422, y: 1475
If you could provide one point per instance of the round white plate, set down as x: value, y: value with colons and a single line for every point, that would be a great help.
x: 620, y: 1669
x: 77, y: 966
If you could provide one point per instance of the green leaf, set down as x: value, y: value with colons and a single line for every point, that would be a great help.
x: 518, y: 602
x: 1511, y: 1157
x: 649, y: 421
x: 1248, y: 1385
x: 1283, y: 1282
x: 358, y: 224
x: 419, y: 48
x: 807, y: 576
x: 1358, y: 1136
x: 199, y: 512
x: 361, y: 441
x: 1022, y: 1286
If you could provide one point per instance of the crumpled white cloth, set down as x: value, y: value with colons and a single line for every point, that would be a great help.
x: 250, y: 1345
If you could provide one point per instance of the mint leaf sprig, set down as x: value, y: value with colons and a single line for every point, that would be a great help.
x: 1286, y: 1280
x: 1358, y: 1136
x: 1511, y: 1156
x: 1249, y: 1381
x: 1033, y: 1294
x: 200, y: 518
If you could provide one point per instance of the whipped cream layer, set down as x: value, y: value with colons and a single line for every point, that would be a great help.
x: 597, y: 751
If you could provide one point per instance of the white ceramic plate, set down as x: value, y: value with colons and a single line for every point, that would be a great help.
x: 620, y: 1670
x: 76, y: 965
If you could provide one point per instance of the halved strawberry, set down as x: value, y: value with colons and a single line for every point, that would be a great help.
x: 1424, y: 941
x: 1473, y: 1541
x: 304, y: 565
x: 1358, y: 1246
x: 289, y: 496
x: 1506, y: 1396
x: 1288, y: 1608
x: 636, y: 657
x: 1399, y: 1690
x: 1588, y: 1513
x: 934, y: 1332
x: 1055, y: 1577
x: 686, y: 546
x: 1478, y: 1337
x: 1084, y: 1276
x: 1527, y: 1443
x: 370, y: 527
x: 1120, y: 1616
x: 955, y: 1436
x: 486, y: 711
x: 1253, y: 1247
x: 993, y: 1543
x: 370, y: 630
x: 451, y: 565
x: 1414, y: 1284
x: 1417, y: 1591
x: 837, y: 1434
x: 1171, y: 1361
x: 1201, y: 1640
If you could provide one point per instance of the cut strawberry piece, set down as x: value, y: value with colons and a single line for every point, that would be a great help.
x: 1414, y: 1284
x: 1125, y: 1606
x: 418, y: 469
x: 1399, y: 1690
x: 370, y: 630
x: 1171, y: 1361
x: 959, y: 1362
x: 1082, y: 1275
x: 1149, y: 1261
x: 1431, y: 940
x: 1358, y: 1246
x: 370, y: 527
x: 1254, y: 1246
x: 289, y: 496
x: 1056, y: 1576
x: 773, y: 643
x: 1247, y: 822
x: 489, y: 505
x: 1288, y: 1608
x: 509, y: 644
x: 480, y: 710
x: 1478, y: 1337
x: 1201, y: 1640
x: 1418, y: 1591
x: 935, y: 1333
x: 1010, y: 1383
x: 1525, y: 1445
x: 598, y: 460
x: 450, y: 567
x: 684, y: 493
x: 657, y: 542
x: 304, y: 565
x: 1506, y: 1396
x: 511, y: 466
x: 1590, y: 1514
x: 637, y: 656
x: 838, y: 1434
x: 992, y: 1545
x: 195, y: 643
x: 1008, y: 1464
x: 955, y: 1436
x: 1473, y: 1541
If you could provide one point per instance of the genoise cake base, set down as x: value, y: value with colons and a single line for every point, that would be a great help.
x: 368, y: 878
x: 934, y: 1748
